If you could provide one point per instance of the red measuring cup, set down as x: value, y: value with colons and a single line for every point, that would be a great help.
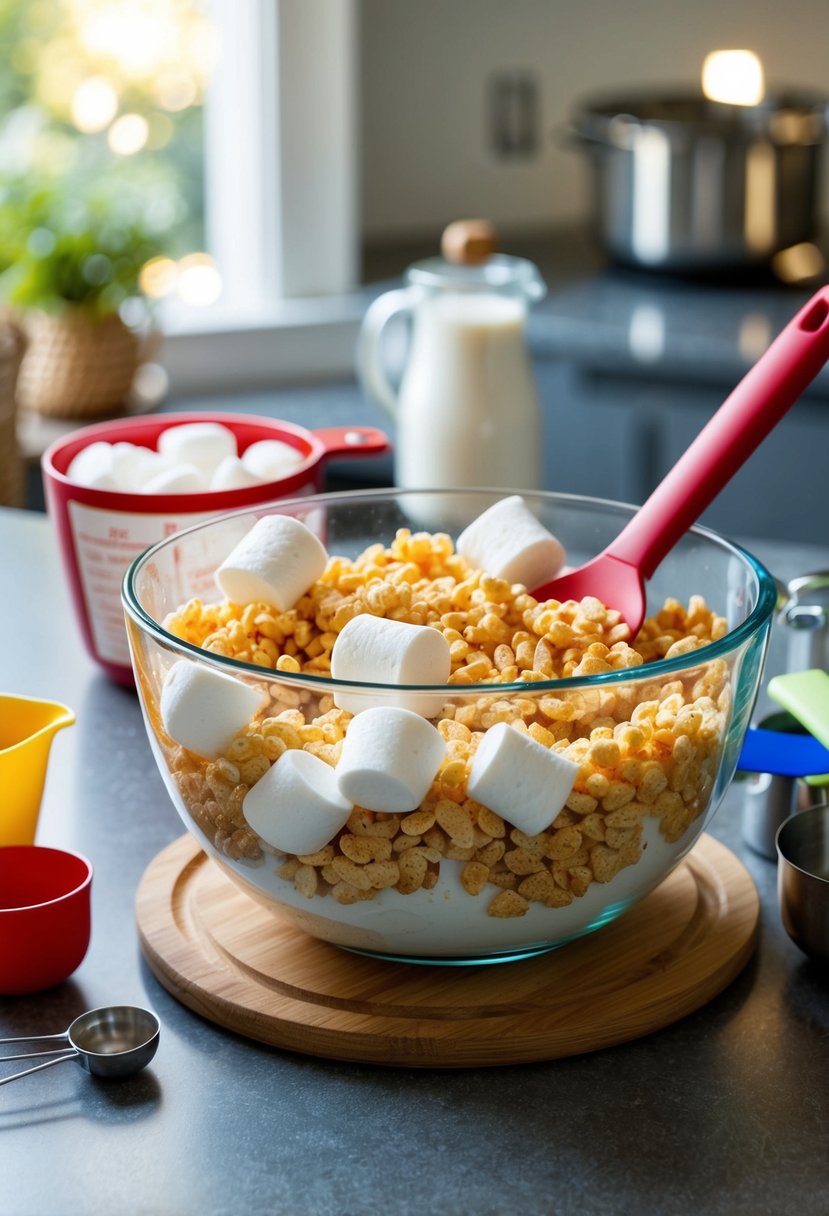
x: 101, y: 531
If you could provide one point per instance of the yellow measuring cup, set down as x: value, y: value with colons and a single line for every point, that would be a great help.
x: 27, y: 727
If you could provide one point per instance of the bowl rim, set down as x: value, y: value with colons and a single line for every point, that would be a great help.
x: 785, y: 850
x: 767, y: 595
x: 61, y: 855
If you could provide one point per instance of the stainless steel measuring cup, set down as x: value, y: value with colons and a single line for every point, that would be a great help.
x: 803, y: 880
x: 114, y: 1041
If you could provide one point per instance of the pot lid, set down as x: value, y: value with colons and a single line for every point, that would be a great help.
x: 785, y: 118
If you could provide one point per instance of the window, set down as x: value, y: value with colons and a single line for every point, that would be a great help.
x: 235, y: 124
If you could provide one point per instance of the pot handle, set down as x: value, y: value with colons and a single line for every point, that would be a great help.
x: 568, y: 137
x: 357, y: 441
x: 620, y: 133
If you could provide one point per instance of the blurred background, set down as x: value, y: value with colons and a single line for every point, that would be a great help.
x: 233, y: 183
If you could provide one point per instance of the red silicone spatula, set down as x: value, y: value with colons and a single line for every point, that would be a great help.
x: 617, y: 576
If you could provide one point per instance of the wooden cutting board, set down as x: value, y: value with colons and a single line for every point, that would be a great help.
x: 225, y: 956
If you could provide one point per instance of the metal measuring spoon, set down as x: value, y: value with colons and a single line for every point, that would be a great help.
x: 114, y: 1041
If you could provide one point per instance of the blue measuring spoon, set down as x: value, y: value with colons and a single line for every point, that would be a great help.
x: 782, y: 753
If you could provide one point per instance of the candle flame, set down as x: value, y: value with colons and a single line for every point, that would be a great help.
x: 733, y: 77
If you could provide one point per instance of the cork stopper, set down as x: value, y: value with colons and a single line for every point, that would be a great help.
x: 469, y: 242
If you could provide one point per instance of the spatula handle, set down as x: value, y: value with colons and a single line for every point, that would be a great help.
x: 753, y: 409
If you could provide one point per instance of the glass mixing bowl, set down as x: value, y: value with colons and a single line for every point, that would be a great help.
x: 655, y: 734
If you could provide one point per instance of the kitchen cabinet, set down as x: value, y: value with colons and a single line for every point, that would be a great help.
x: 593, y: 441
x: 646, y: 359
x: 779, y: 492
x: 615, y: 436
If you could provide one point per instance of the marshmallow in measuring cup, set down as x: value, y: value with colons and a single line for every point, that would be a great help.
x: 376, y: 650
x: 203, y: 709
x: 92, y: 467
x: 231, y: 474
x: 270, y: 459
x: 176, y: 479
x: 111, y: 466
x: 520, y: 779
x: 507, y: 541
x: 274, y: 563
x: 297, y: 806
x: 389, y: 759
x: 203, y: 444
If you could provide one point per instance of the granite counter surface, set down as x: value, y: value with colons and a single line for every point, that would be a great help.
x: 725, y: 1112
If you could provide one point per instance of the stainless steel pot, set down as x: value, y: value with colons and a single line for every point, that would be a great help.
x: 690, y: 186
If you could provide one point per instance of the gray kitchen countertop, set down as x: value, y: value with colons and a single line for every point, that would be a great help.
x: 724, y: 1112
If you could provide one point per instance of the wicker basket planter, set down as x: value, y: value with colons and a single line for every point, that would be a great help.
x: 11, y: 465
x: 76, y: 365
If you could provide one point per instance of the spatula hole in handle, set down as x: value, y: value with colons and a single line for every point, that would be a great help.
x: 815, y: 317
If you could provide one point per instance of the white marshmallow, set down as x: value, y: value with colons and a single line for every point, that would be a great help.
x: 204, y: 444
x: 232, y: 475
x: 92, y: 466
x: 115, y: 466
x: 507, y: 541
x: 150, y: 464
x: 520, y: 779
x: 270, y: 459
x: 373, y: 649
x: 296, y: 806
x: 128, y: 463
x: 203, y: 709
x: 275, y: 563
x: 177, y: 479
x: 389, y: 759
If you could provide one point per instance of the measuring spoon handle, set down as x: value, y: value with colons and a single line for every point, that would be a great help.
x: 35, y: 1055
x: 38, y: 1038
x: 16, y: 1075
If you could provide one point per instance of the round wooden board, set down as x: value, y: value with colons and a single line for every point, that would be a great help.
x: 231, y: 960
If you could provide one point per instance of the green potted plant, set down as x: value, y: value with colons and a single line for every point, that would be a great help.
x: 71, y: 255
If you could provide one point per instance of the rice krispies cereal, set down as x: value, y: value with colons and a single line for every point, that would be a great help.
x: 644, y: 748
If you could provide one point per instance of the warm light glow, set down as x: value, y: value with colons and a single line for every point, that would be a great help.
x: 59, y: 73
x: 158, y: 277
x: 161, y: 130
x: 94, y: 104
x: 176, y: 91
x: 799, y: 263
x: 759, y: 207
x: 199, y: 282
x: 733, y: 77
x: 142, y: 40
x: 754, y: 336
x: 128, y: 134
x: 134, y: 34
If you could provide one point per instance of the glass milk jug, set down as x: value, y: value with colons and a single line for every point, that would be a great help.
x: 466, y: 410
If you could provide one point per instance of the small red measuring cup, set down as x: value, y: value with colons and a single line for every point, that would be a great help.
x: 44, y: 916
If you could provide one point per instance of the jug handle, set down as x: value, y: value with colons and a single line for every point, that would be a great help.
x: 370, y: 370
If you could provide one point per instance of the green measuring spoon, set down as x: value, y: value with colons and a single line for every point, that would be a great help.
x: 805, y: 694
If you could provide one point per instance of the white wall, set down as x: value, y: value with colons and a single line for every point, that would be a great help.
x: 425, y: 66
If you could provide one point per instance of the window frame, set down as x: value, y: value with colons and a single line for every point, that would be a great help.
x: 281, y: 205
